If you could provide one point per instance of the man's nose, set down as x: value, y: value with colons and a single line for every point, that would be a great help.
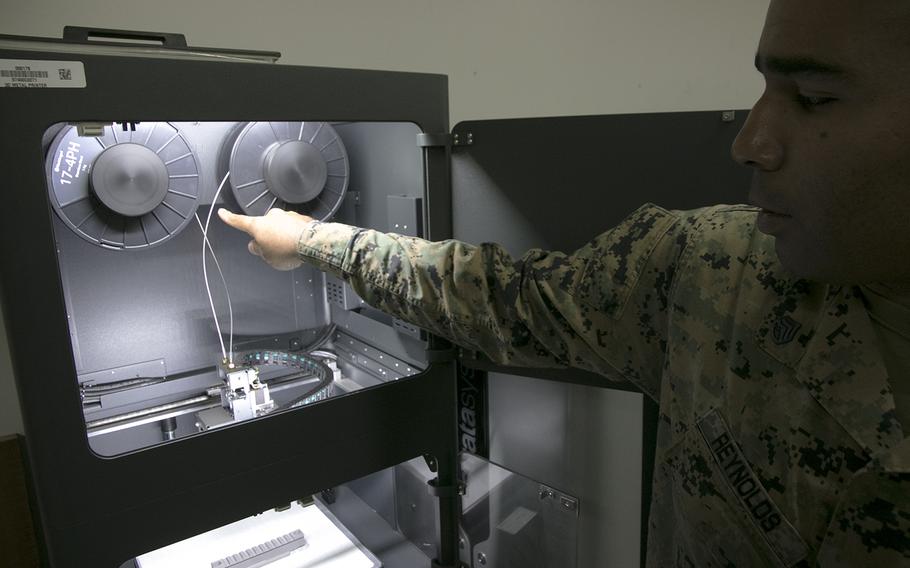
x: 759, y: 144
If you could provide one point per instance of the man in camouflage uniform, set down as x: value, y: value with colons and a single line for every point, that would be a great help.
x: 775, y: 338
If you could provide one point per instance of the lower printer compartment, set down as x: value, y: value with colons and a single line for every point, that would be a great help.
x: 390, y: 519
x: 386, y: 519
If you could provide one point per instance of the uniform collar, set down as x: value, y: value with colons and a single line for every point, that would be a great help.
x: 889, y: 306
x: 896, y: 460
x: 824, y: 333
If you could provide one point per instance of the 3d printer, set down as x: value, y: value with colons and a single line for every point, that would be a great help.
x: 171, y: 383
x: 147, y: 326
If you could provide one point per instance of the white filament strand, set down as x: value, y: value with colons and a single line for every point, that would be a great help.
x: 226, y: 355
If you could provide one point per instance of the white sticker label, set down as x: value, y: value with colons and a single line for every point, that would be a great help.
x: 517, y: 520
x: 42, y: 74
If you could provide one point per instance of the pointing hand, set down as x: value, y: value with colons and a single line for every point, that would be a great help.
x: 275, y: 235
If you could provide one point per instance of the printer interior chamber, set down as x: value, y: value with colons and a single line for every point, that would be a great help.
x: 144, y: 341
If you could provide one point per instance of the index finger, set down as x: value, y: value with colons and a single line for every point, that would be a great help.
x: 242, y: 222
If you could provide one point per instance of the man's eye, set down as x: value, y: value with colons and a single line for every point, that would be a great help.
x: 813, y: 101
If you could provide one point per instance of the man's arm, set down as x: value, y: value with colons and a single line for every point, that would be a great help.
x: 602, y: 308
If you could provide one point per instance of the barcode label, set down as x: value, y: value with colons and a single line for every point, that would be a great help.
x: 16, y: 73
x: 41, y: 74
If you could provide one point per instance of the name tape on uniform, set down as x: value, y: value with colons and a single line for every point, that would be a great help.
x: 780, y: 535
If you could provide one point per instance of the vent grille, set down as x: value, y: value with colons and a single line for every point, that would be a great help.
x: 335, y: 293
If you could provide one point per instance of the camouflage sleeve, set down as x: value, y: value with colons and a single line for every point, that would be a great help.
x: 602, y: 308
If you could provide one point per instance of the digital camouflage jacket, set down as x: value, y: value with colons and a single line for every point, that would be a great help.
x: 777, y: 441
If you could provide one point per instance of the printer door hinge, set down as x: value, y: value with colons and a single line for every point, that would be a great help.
x: 444, y: 139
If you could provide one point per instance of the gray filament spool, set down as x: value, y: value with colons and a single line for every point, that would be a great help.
x: 124, y: 189
x: 297, y: 166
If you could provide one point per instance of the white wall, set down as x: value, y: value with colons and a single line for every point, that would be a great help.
x: 504, y: 58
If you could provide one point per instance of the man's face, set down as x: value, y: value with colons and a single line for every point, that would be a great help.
x: 829, y: 139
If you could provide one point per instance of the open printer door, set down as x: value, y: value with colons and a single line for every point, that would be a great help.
x: 556, y: 183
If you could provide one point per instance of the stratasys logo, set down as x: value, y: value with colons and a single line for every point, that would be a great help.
x: 471, y: 412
